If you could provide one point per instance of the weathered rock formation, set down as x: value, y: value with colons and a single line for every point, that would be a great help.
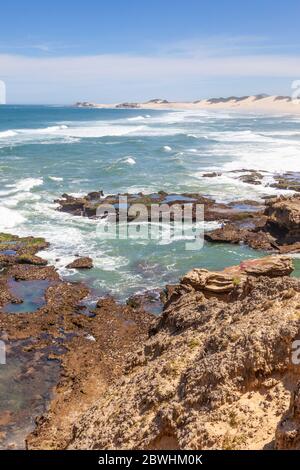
x: 277, y: 229
x: 215, y: 372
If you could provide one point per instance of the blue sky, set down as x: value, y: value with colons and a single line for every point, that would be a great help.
x: 60, y: 52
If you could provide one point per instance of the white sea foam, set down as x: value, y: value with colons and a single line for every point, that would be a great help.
x: 24, y: 185
x: 5, y: 134
x: 10, y: 218
x: 45, y: 130
x: 130, y: 160
x: 55, y: 178
x: 136, y: 118
x: 27, y: 184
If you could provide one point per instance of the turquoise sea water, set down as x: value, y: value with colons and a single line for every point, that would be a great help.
x: 46, y: 151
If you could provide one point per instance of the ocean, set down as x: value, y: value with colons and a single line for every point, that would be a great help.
x: 46, y: 151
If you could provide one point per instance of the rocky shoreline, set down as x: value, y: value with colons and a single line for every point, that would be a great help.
x: 276, y: 229
x: 57, y: 328
x: 89, y: 205
x: 271, y: 225
x: 213, y: 370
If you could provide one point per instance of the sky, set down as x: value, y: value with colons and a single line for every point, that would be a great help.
x: 60, y: 52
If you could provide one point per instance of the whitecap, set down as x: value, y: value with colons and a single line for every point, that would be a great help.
x: 10, y: 218
x: 27, y: 184
x: 55, y: 178
x: 130, y: 161
x: 5, y: 134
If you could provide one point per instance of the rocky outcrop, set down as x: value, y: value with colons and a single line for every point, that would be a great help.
x: 95, y: 205
x: 128, y: 105
x: 278, y: 229
x: 253, y: 177
x: 215, y: 372
x: 284, y: 218
x: 235, y: 279
x: 81, y: 263
x: 94, y: 360
x: 31, y: 259
x: 289, y: 181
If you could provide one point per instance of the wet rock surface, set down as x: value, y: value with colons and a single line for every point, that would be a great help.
x: 97, y: 205
x: 81, y: 263
x: 289, y: 181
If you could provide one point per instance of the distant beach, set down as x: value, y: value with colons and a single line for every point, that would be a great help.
x: 255, y: 103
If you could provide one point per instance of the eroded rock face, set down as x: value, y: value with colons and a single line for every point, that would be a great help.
x: 253, y: 177
x: 234, y: 279
x: 215, y: 372
x: 284, y: 213
x: 31, y: 259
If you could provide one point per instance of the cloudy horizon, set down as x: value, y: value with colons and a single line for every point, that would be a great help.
x: 105, y: 63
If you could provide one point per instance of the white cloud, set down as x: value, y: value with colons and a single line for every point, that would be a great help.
x: 119, y: 76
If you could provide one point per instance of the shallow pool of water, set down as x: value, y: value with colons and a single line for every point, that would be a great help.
x: 31, y: 293
x: 8, y: 252
x: 26, y: 383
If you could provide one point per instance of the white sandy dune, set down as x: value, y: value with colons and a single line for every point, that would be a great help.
x: 258, y: 103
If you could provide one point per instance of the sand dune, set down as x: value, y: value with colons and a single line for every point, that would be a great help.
x: 258, y: 103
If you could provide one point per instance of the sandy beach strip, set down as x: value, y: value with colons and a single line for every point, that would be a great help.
x: 251, y: 104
